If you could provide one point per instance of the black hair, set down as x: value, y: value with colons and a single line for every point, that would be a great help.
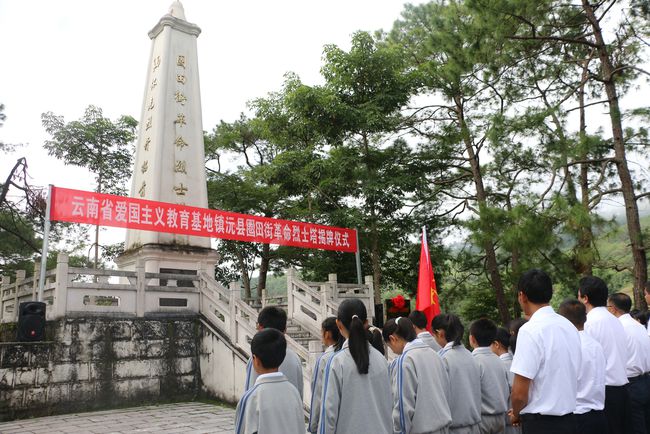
x: 375, y: 339
x: 329, y: 325
x: 352, y: 314
x: 574, y: 311
x: 595, y: 289
x: 484, y: 331
x: 402, y: 328
x: 514, y: 327
x: 270, y: 347
x: 273, y: 317
x: 621, y: 301
x: 503, y: 337
x: 418, y: 318
x: 536, y: 286
x: 451, y: 325
x: 640, y: 315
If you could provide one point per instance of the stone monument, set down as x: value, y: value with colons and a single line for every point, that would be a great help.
x: 169, y: 160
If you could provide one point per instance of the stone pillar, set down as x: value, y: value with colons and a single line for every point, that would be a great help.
x: 332, y: 281
x: 370, y: 298
x: 37, y: 270
x: 20, y: 276
x: 141, y: 284
x: 234, y: 298
x: 290, y: 276
x: 4, y: 290
x: 61, y: 286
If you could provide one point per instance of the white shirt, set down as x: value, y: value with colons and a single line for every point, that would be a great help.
x: 608, y: 331
x: 269, y: 375
x: 548, y: 353
x: 638, y: 347
x: 591, y: 377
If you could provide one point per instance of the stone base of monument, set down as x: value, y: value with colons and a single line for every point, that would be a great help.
x: 170, y: 259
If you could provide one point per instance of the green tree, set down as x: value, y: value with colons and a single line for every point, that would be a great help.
x: 94, y: 142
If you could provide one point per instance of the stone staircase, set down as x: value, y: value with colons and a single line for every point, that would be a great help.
x: 300, y: 334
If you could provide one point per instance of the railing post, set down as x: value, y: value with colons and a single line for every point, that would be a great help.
x: 264, y: 295
x: 6, y: 280
x: 333, y: 284
x: 61, y: 286
x: 234, y: 297
x: 290, y: 276
x: 370, y: 296
x: 324, y: 299
x: 20, y: 276
x: 140, y: 285
x: 35, y: 281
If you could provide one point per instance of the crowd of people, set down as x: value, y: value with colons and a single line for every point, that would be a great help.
x: 584, y: 369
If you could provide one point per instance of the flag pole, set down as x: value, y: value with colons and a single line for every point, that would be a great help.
x: 357, y: 256
x: 46, y: 240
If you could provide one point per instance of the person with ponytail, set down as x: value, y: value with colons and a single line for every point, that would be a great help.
x: 356, y: 394
x: 332, y: 340
x: 464, y: 375
x: 420, y: 382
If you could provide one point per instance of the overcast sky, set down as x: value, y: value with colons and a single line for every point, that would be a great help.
x: 61, y: 56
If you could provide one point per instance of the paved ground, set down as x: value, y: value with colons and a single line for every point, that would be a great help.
x: 187, y: 417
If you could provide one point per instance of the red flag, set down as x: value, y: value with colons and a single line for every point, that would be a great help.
x: 427, y: 297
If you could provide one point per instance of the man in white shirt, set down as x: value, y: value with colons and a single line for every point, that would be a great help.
x: 608, y: 331
x: 637, y: 367
x: 590, y: 401
x: 546, y: 363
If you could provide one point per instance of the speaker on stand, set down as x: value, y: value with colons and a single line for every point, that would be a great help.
x: 31, y: 321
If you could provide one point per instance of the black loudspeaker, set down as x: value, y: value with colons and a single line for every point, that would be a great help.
x: 31, y: 321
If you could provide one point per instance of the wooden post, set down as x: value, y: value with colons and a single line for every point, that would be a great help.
x: 20, y: 276
x: 140, y: 284
x: 61, y: 286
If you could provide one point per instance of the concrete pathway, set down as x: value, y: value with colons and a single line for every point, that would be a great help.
x: 185, y: 417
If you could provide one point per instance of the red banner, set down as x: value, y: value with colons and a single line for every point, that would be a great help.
x: 126, y: 212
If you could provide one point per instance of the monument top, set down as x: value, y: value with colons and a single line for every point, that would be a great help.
x: 177, y: 10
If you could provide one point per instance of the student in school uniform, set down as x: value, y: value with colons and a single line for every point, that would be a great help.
x: 260, y: 410
x: 419, y: 320
x: 546, y: 363
x: 495, y: 390
x: 332, y: 339
x: 501, y: 347
x: 276, y: 318
x: 608, y: 331
x: 356, y: 394
x: 590, y: 400
x: 464, y: 375
x: 420, y: 382
x: 637, y: 365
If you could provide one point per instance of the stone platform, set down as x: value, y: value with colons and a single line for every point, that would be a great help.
x: 186, y: 417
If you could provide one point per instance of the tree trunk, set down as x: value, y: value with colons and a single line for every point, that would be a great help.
x: 492, y: 266
x: 246, y: 281
x: 264, y: 269
x: 585, y: 245
x: 627, y: 186
x: 376, y: 265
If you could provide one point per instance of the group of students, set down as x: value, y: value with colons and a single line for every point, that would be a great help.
x: 584, y: 370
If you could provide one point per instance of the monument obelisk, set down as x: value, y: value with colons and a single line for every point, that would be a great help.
x: 169, y: 159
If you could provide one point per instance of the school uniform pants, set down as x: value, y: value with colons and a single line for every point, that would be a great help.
x: 468, y: 429
x: 616, y: 408
x: 591, y: 422
x: 492, y: 424
x: 638, y: 394
x: 544, y: 424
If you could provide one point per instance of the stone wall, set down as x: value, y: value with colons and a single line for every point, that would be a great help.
x: 93, y: 362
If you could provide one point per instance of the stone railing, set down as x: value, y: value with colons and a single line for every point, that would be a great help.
x: 309, y: 303
x: 71, y: 291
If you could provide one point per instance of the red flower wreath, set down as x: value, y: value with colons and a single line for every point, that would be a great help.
x: 398, y: 301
